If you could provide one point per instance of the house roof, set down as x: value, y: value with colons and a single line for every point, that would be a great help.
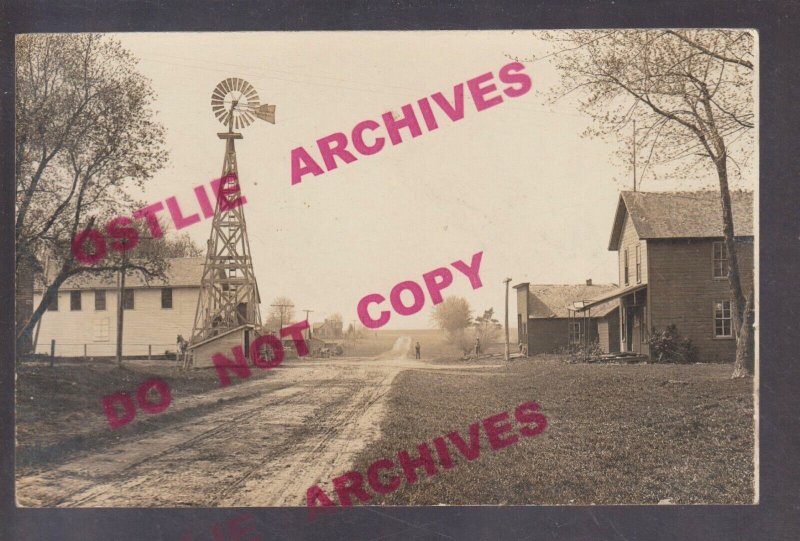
x: 182, y: 272
x: 553, y: 300
x: 667, y: 215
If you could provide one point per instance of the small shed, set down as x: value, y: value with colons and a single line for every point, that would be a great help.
x: 224, y: 342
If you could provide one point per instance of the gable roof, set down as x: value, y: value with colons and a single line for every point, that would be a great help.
x: 552, y: 300
x: 182, y: 272
x: 668, y: 215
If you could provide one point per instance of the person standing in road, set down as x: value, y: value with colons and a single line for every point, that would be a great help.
x: 416, y: 348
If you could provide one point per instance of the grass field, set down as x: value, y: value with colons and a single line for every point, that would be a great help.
x: 617, y: 434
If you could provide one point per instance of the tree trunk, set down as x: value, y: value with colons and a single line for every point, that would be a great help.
x: 734, y: 278
x: 742, y: 367
x: 49, y: 294
x: 24, y: 305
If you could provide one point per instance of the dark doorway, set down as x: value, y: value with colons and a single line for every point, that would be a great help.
x: 628, y: 328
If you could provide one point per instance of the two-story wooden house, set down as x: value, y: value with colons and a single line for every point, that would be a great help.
x: 673, y: 268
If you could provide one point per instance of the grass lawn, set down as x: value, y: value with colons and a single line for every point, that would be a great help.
x: 617, y: 434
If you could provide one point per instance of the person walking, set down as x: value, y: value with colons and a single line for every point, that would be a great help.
x: 416, y: 349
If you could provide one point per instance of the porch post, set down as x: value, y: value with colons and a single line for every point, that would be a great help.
x: 569, y: 327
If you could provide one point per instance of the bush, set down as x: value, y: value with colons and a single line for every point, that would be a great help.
x: 668, y: 346
x: 581, y: 353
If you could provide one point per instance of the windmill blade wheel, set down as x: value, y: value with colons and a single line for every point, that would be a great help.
x: 235, y: 103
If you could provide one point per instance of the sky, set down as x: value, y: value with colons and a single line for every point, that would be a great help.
x: 516, y: 181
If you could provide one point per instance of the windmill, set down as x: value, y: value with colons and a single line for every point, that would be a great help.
x: 229, y: 296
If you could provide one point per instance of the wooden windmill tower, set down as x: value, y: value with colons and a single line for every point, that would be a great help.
x: 229, y: 296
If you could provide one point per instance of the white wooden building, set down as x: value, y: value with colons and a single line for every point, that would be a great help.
x: 84, y: 320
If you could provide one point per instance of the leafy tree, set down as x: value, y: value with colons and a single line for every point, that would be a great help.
x: 463, y: 340
x: 453, y: 315
x: 690, y: 95
x: 84, y: 134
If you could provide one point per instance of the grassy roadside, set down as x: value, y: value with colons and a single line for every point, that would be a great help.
x: 617, y: 434
x: 58, y: 410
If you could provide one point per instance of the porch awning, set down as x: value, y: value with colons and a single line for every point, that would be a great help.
x: 611, y: 295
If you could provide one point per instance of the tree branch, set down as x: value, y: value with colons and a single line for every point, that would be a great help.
x: 704, y: 50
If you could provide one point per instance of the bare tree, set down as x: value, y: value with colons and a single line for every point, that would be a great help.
x: 690, y: 95
x: 280, y: 313
x: 84, y: 133
x: 178, y: 246
x: 336, y: 322
x: 487, y: 328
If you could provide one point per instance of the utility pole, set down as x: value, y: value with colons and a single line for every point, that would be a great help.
x: 120, y: 306
x: 308, y: 331
x: 634, y: 155
x: 507, y: 281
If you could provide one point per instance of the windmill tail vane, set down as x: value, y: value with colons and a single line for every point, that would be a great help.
x: 266, y: 112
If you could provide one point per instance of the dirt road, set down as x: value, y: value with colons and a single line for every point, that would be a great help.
x: 265, y: 449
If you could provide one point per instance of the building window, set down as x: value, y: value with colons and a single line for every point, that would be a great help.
x: 166, y: 297
x: 74, y: 300
x: 638, y: 264
x: 53, y: 306
x: 575, y: 337
x: 722, y: 319
x: 127, y: 299
x: 626, y: 276
x: 100, y: 300
x: 720, y: 260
